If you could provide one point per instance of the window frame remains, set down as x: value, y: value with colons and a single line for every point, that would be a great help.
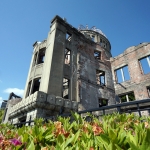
x: 102, y: 102
x: 67, y: 56
x: 66, y: 87
x: 29, y: 88
x: 36, y: 85
x: 127, y: 97
x: 100, y: 77
x: 68, y: 36
x: 147, y: 58
x: 93, y: 38
x: 148, y: 90
x: 35, y: 59
x: 125, y: 75
x: 41, y: 56
x: 97, y: 55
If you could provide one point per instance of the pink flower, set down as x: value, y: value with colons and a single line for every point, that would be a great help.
x: 16, y: 142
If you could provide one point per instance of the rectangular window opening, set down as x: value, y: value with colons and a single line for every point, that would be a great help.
x: 101, y: 42
x: 97, y: 55
x: 100, y: 77
x: 28, y: 89
x: 36, y: 85
x: 35, y: 59
x: 41, y: 56
x: 148, y: 90
x: 93, y: 38
x: 127, y: 97
x: 65, y: 93
x: 67, y: 56
x: 104, y: 44
x: 22, y: 120
x: 145, y: 64
x: 122, y: 74
x: 68, y: 36
x: 103, y: 102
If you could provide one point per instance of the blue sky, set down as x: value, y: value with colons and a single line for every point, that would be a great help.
x: 22, y: 22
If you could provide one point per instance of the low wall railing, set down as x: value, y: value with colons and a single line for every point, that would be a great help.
x: 127, y: 107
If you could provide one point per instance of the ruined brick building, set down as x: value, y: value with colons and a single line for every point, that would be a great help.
x: 74, y: 70
x: 131, y: 73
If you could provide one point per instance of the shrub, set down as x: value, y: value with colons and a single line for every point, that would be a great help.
x: 113, y: 132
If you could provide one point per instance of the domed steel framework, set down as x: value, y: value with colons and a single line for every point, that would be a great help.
x: 81, y: 27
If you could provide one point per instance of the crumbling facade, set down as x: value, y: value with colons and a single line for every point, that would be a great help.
x: 70, y: 70
x: 131, y: 73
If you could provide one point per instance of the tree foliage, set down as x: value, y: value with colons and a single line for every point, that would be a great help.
x: 1, y: 114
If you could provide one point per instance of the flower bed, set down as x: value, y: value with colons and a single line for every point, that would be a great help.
x: 113, y: 132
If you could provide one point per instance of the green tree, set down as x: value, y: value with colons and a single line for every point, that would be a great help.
x: 1, y: 114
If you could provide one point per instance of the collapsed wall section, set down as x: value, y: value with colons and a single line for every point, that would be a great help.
x: 131, y: 73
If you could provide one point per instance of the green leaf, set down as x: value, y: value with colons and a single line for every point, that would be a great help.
x: 59, y: 147
x: 31, y: 146
x: 25, y: 137
x: 146, y: 141
x: 36, y: 129
x: 133, y: 146
x: 132, y: 139
x: 60, y: 139
x: 112, y: 135
x: 121, y: 136
x: 49, y: 136
x: 118, y: 147
x: 72, y: 139
x: 75, y: 116
x: 103, y: 140
x: 111, y: 146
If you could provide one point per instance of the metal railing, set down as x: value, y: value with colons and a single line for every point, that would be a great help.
x: 127, y: 107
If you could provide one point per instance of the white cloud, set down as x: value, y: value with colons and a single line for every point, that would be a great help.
x: 14, y: 90
x: 1, y: 100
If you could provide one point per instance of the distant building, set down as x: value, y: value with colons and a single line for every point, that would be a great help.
x: 9, y: 105
x: 3, y: 105
x: 74, y: 70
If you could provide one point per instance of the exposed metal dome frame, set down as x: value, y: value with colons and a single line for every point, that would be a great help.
x: 81, y: 27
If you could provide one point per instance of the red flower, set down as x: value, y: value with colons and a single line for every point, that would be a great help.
x: 97, y: 129
x: 60, y: 130
x: 1, y: 138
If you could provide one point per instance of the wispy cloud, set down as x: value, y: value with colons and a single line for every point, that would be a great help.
x: 0, y: 81
x: 14, y: 90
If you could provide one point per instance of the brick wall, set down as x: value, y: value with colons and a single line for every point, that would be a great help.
x: 138, y: 80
